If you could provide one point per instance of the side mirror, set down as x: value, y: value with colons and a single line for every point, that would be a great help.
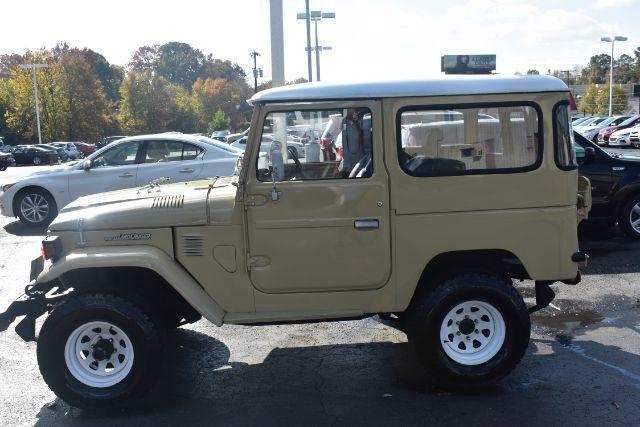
x: 589, y: 153
x: 86, y: 165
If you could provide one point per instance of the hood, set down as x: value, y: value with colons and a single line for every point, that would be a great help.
x: 625, y: 131
x: 629, y: 158
x: 179, y: 204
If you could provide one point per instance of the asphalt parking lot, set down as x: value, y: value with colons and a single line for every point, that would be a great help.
x: 582, y: 366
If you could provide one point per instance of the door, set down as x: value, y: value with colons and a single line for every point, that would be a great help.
x: 114, y: 169
x: 598, y: 168
x: 320, y: 226
x: 179, y: 161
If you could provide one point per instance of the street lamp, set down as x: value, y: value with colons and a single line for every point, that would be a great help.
x: 307, y: 17
x: 315, y: 16
x: 613, y: 41
x: 35, y: 92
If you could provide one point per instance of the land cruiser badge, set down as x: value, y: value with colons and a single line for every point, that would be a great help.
x: 128, y: 236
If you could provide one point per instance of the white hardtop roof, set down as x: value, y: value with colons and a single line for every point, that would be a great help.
x: 438, y: 86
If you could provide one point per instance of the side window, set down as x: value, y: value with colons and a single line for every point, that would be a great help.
x: 190, y: 151
x: 316, y: 144
x: 565, y: 154
x: 469, y: 140
x: 163, y: 151
x: 120, y: 155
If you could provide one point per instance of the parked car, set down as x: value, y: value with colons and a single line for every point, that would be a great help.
x: 69, y: 148
x: 437, y: 246
x: 235, y: 136
x: 591, y: 121
x: 634, y: 137
x: 297, y: 147
x: 580, y: 120
x: 615, y: 184
x: 220, y: 135
x: 591, y: 131
x: 604, y: 134
x: 108, y: 140
x: 60, y: 150
x: 129, y: 162
x: 622, y: 138
x: 85, y: 149
x: 34, y: 155
x: 6, y: 160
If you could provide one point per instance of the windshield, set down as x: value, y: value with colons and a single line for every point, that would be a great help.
x: 617, y: 120
x: 597, y: 121
x: 221, y: 145
x: 631, y: 120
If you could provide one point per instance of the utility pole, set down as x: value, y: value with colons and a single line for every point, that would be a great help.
x: 257, y: 72
x: 315, y: 16
x: 35, y: 93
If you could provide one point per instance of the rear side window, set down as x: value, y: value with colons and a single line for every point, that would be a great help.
x: 565, y: 154
x: 469, y: 139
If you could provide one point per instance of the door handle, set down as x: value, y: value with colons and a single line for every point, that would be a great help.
x: 186, y: 170
x: 366, y: 224
x: 126, y: 175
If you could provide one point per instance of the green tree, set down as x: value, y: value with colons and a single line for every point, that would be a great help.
x: 180, y: 63
x: 620, y: 100
x: 589, y: 103
x: 533, y: 72
x: 152, y: 104
x: 220, y: 122
x: 596, y: 70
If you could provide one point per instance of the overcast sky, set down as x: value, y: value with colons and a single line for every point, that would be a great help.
x: 372, y: 39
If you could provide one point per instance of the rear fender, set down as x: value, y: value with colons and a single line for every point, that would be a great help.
x: 141, y: 256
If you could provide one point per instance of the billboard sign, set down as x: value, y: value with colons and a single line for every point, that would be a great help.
x: 468, y: 64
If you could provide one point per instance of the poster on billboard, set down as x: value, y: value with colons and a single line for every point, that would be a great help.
x: 468, y: 64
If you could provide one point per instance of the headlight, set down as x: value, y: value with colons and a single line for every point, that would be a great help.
x: 7, y: 186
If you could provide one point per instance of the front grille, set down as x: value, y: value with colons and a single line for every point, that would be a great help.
x: 193, y: 245
x: 164, y: 202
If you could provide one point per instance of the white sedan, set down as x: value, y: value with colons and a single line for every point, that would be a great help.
x: 129, y: 162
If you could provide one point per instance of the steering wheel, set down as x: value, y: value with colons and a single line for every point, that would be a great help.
x: 294, y: 155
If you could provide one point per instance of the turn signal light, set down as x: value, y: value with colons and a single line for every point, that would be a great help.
x: 51, y: 247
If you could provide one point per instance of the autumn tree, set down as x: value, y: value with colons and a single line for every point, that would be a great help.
x: 213, y: 94
x: 620, y: 101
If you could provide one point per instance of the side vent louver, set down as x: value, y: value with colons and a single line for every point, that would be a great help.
x: 165, y: 202
x: 193, y: 245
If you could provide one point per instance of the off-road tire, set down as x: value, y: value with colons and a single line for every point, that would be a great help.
x: 424, y: 319
x: 624, y: 220
x: 53, y: 209
x: 141, y: 327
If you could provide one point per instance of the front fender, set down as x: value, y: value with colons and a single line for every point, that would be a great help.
x: 138, y: 256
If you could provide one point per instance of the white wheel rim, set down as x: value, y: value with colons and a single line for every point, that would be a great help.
x: 34, y: 207
x: 472, y: 332
x: 36, y: 160
x: 87, y: 360
x: 634, y: 218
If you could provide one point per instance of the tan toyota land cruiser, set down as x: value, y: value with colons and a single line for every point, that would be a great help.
x: 421, y: 204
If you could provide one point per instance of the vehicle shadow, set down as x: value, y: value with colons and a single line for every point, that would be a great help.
x: 18, y: 228
x: 609, y: 250
x: 364, y: 383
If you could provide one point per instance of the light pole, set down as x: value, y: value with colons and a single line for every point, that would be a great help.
x: 307, y: 17
x: 35, y: 93
x: 613, y: 41
x: 316, y: 16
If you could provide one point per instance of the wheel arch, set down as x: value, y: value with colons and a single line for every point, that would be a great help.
x: 16, y: 196
x: 496, y: 262
x: 623, y: 197
x: 108, y: 268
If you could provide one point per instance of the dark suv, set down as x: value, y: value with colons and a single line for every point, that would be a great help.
x: 615, y: 185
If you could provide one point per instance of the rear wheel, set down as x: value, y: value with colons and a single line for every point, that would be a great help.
x: 98, y: 349
x: 37, y: 160
x: 469, y: 331
x: 629, y: 220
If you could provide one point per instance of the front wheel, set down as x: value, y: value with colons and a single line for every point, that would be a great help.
x: 469, y: 331
x: 37, y: 161
x: 629, y: 220
x: 99, y: 350
x: 36, y: 207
